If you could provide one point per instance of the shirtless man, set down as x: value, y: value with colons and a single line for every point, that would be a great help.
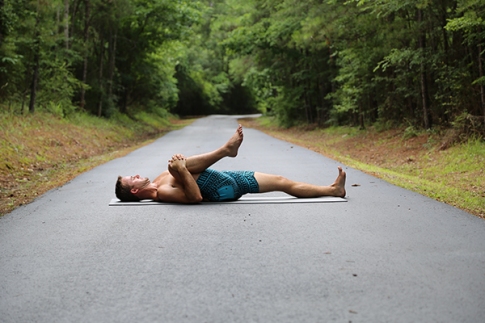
x: 190, y: 180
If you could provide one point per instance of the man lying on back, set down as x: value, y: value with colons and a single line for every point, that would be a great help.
x: 190, y: 180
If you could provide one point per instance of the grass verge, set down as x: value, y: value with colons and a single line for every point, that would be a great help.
x: 42, y: 151
x: 455, y: 176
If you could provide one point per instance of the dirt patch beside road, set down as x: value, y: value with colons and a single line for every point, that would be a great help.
x: 408, y: 159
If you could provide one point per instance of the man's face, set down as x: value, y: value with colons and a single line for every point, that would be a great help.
x: 136, y: 182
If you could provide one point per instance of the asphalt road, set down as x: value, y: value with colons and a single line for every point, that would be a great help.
x: 386, y: 255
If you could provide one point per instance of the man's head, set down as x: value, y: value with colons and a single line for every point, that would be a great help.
x: 128, y: 188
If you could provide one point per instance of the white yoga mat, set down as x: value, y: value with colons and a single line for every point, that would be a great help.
x: 243, y: 200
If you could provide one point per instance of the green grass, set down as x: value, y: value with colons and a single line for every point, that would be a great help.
x: 41, y: 151
x: 455, y: 176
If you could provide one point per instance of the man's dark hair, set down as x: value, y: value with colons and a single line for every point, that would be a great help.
x: 123, y: 192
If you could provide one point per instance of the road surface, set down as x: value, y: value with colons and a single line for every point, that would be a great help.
x: 385, y: 255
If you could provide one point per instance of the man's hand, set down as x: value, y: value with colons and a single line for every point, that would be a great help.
x: 188, y: 191
x: 178, y: 162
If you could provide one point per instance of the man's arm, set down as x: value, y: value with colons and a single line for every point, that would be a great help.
x: 173, y: 172
x: 187, y: 192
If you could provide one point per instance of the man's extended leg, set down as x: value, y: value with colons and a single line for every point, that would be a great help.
x: 198, y: 163
x: 271, y: 183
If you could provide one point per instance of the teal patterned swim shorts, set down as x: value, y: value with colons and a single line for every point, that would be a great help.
x: 217, y: 186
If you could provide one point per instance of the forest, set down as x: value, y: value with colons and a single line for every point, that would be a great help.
x: 417, y: 63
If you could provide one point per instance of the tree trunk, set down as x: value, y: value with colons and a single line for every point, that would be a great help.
x: 307, y: 88
x: 87, y: 13
x: 126, y: 98
x: 24, y: 94
x: 480, y: 73
x: 2, y: 27
x: 424, y: 84
x: 100, y: 77
x: 444, y: 21
x: 66, y: 23
x: 321, y: 101
x: 35, y: 74
x: 112, y: 61
x: 308, y: 103
x: 361, y: 117
x: 33, y: 85
x: 58, y: 16
x: 75, y: 10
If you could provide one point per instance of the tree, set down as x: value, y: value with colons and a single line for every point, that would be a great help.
x: 358, y: 62
x: 87, y: 19
x: 471, y: 24
x: 36, y: 61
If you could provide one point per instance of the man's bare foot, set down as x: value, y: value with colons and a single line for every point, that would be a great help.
x: 234, y: 142
x: 339, y: 183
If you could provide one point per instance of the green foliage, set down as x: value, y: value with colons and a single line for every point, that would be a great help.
x: 410, y: 132
x: 60, y: 88
x: 356, y: 62
x: 117, y: 49
x: 467, y: 126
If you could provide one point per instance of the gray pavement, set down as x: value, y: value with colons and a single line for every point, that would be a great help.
x: 386, y: 255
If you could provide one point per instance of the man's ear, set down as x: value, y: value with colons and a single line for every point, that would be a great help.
x: 134, y: 190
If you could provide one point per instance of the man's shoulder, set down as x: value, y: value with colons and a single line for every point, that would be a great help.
x: 171, y: 192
